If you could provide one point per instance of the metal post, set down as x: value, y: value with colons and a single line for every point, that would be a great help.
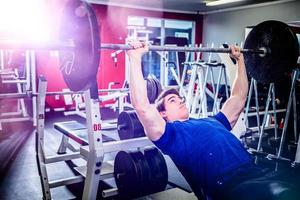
x: 248, y: 101
x: 96, y: 152
x: 226, y: 81
x: 256, y: 105
x: 1, y: 59
x: 288, y: 110
x: 203, y: 96
x: 191, y: 87
x: 215, y: 107
x: 275, y: 113
x: 33, y: 86
x: 265, y: 117
x: 295, y: 116
x: 40, y: 138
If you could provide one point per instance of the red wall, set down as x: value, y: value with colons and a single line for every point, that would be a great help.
x: 113, y: 22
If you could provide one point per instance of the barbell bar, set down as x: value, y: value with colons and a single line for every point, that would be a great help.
x: 6, y: 44
x: 271, y: 49
x: 57, y: 93
x: 261, y: 51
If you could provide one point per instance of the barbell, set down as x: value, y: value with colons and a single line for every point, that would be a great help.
x: 271, y: 49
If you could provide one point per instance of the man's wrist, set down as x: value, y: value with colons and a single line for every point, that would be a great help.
x: 135, y: 58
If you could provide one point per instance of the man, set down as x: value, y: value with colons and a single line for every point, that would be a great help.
x: 209, y: 156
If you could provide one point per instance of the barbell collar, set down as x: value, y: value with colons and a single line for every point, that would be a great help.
x: 181, y: 49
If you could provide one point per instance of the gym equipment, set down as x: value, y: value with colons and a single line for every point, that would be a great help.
x: 273, y: 48
x: 138, y: 174
x: 79, y: 66
x: 281, y: 43
x: 159, y: 170
x: 154, y: 88
x: 96, y: 168
x: 132, y: 173
x: 76, y: 131
x: 129, y: 125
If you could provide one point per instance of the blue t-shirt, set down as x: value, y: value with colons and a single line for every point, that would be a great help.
x: 204, y: 150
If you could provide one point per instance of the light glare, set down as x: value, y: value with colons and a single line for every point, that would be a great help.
x: 24, y: 20
x: 220, y: 2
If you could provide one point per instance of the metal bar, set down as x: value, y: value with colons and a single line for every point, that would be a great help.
x: 215, y: 106
x: 226, y: 81
x: 109, y: 192
x: 1, y: 59
x: 248, y: 101
x: 34, y: 86
x: 31, y: 45
x: 256, y: 104
x: 295, y: 116
x: 180, y: 49
x: 288, y: 110
x: 120, y: 145
x: 30, y: 94
x: 275, y: 112
x: 66, y: 181
x: 14, y: 81
x: 40, y: 139
x: 265, y: 117
x: 251, y: 114
x: 64, y: 157
x: 297, y: 156
x: 203, y: 99
x: 81, y: 92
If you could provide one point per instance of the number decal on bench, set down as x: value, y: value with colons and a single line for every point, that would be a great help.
x: 97, y: 127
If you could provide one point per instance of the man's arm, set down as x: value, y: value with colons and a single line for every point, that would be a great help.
x: 236, y: 102
x: 147, y: 113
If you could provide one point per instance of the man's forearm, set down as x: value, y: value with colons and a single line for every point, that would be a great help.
x: 240, y: 84
x: 138, y: 87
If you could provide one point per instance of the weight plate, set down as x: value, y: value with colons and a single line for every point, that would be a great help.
x: 79, y: 25
x: 281, y: 43
x: 159, y: 170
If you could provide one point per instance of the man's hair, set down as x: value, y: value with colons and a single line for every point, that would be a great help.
x: 159, y: 102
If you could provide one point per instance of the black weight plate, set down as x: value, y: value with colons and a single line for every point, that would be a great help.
x: 154, y: 90
x: 126, y: 173
x: 137, y: 125
x: 159, y: 170
x: 125, y: 126
x: 158, y: 87
x: 278, y: 39
x: 144, y: 173
x: 129, y: 125
x: 79, y: 25
x: 150, y: 89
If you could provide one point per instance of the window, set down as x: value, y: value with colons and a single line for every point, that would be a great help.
x: 162, y: 32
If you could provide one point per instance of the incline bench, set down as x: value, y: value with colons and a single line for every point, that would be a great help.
x: 77, y: 132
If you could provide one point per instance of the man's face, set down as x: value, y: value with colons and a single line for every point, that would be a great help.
x: 175, y: 108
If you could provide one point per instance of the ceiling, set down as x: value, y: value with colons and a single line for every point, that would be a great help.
x: 186, y: 6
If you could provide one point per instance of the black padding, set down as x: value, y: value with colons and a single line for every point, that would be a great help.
x: 261, y: 185
x: 77, y: 132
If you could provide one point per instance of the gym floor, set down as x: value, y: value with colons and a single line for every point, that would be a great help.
x: 19, y: 172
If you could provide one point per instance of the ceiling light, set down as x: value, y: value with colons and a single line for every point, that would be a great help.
x: 220, y: 2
